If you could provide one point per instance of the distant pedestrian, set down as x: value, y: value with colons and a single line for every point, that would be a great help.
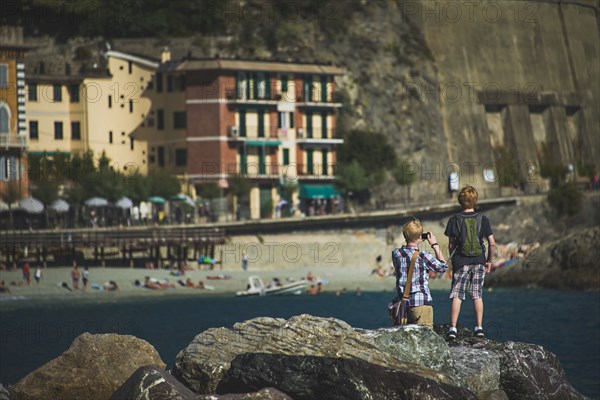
x: 38, y: 275
x: 85, y: 277
x: 75, y: 276
x: 26, y: 273
x: 245, y: 261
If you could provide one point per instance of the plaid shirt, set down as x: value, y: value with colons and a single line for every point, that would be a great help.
x: 419, y: 289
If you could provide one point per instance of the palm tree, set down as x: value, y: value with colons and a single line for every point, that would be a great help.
x: 11, y: 195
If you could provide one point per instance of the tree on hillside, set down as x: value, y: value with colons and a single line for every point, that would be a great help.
x: 163, y: 184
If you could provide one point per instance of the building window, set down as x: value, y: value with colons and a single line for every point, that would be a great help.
x: 160, y: 119
x: 32, y: 92
x: 76, y: 130
x: 151, y: 159
x: 131, y: 142
x: 261, y: 123
x: 74, y: 93
x: 284, y: 83
x: 109, y: 101
x: 58, y: 130
x: 57, y: 92
x: 324, y: 124
x: 131, y: 106
x: 291, y: 119
x: 170, y: 83
x: 180, y: 157
x: 161, y: 156
x: 4, y: 119
x: 309, y: 162
x: 3, y: 76
x: 34, y: 133
x: 130, y: 67
x: 324, y: 161
x: 286, y: 156
x: 307, y: 88
x: 262, y: 167
x: 324, y: 89
x: 309, y: 125
x: 179, y: 120
x: 242, y: 123
x: 243, y: 161
x: 110, y: 137
x: 159, y: 85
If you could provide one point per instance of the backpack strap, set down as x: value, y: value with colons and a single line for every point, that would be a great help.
x: 409, y: 275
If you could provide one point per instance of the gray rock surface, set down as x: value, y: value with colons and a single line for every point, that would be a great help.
x: 4, y: 394
x: 527, y: 371
x: 203, y: 363
x: 91, y: 369
x: 309, y: 377
x: 479, y: 370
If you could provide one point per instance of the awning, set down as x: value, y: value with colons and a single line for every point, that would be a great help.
x: 31, y: 205
x: 318, y: 191
x: 260, y: 143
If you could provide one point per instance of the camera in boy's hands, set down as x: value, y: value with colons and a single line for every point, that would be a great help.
x: 425, y: 236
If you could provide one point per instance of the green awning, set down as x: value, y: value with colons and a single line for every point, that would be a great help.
x: 318, y: 191
x: 266, y: 143
x: 49, y: 153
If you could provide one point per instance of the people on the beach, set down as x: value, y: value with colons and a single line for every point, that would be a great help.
x: 75, y: 276
x: 110, y: 286
x: 38, y: 275
x: 420, y: 310
x: 85, y: 277
x: 4, y: 288
x: 466, y: 231
x: 315, y: 289
x: 26, y: 273
x: 244, y: 261
x: 155, y: 284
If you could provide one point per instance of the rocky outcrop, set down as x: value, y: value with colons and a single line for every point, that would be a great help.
x: 566, y: 263
x: 527, y: 371
x: 151, y: 382
x: 309, y: 377
x: 203, y: 363
x: 91, y: 369
x: 4, y: 395
x: 478, y: 370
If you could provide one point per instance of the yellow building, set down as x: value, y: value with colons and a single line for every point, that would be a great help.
x: 13, y: 153
x: 96, y: 112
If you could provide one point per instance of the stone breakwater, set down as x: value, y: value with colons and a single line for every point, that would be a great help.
x: 304, y: 357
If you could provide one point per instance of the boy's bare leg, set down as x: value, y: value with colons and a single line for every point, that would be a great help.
x: 478, y: 306
x: 454, y: 311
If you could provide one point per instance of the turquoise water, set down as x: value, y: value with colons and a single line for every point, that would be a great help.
x: 34, y: 333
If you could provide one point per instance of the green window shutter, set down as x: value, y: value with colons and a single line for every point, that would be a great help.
x: 291, y: 119
x: 243, y: 161
x: 279, y: 117
x: 242, y: 123
x: 309, y: 162
x: 323, y: 124
x: 324, y: 161
x: 261, y: 123
x: 254, y: 87
x: 284, y: 83
x: 286, y: 156
x: 324, y: 89
x: 309, y: 125
x: 262, y: 168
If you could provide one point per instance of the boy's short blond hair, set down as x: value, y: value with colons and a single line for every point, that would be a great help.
x: 467, y: 197
x: 412, y: 230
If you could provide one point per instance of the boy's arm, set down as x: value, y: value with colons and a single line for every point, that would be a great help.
x: 491, y: 252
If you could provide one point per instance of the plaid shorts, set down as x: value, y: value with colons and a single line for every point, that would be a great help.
x: 470, y: 276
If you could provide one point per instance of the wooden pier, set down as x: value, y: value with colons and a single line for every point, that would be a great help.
x: 116, y: 246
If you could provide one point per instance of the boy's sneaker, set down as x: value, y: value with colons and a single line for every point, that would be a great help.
x: 451, y: 334
x: 478, y: 332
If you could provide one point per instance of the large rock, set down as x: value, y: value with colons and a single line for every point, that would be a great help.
x: 151, y: 382
x: 527, y: 371
x: 309, y: 377
x: 479, y: 370
x: 4, y: 395
x: 91, y: 369
x: 203, y: 363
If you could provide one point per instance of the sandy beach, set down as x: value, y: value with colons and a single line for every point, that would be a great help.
x: 336, y: 279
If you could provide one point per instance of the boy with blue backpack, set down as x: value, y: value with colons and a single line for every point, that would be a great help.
x: 466, y: 231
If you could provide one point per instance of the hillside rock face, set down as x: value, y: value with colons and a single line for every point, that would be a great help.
x: 91, y: 369
x: 569, y: 262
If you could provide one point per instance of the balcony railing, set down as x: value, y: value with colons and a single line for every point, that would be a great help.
x: 13, y: 141
x: 284, y: 97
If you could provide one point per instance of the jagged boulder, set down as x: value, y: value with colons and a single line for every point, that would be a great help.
x: 204, y: 362
x: 91, y: 369
x: 151, y: 382
x: 309, y: 377
x: 479, y: 370
x: 527, y: 371
x: 4, y: 395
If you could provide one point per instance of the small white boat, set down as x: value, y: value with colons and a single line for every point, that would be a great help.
x: 256, y: 287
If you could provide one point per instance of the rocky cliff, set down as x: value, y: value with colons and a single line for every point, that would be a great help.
x: 305, y: 357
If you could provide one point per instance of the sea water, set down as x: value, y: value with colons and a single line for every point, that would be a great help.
x: 34, y: 332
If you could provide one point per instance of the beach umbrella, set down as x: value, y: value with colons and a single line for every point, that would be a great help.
x: 124, y: 203
x: 60, y: 206
x: 157, y: 200
x: 3, y: 206
x: 31, y: 205
x: 185, y: 198
x: 96, y: 202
